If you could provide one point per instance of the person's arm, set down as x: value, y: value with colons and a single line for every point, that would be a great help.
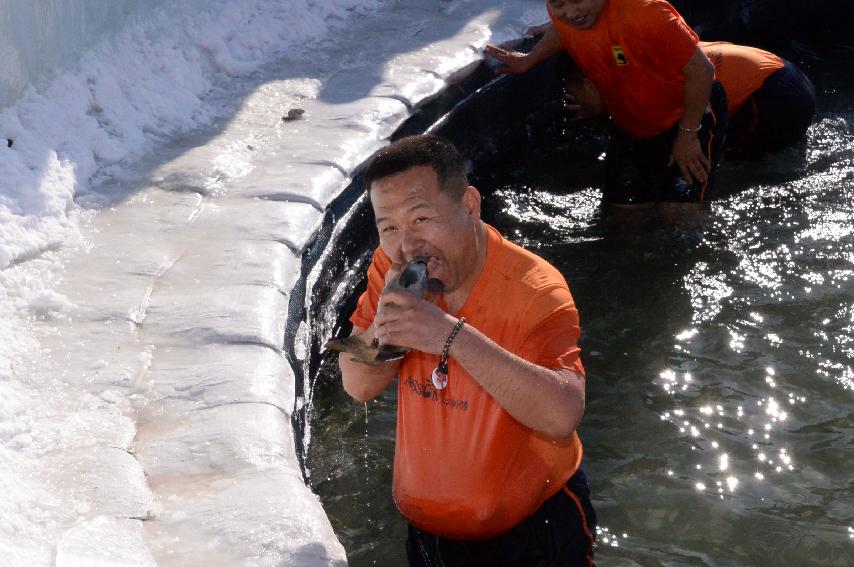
x: 362, y: 381
x: 548, y: 401
x: 516, y: 62
x: 686, y: 152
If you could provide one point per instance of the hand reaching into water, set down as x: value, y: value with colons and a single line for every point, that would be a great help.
x: 512, y: 62
x: 688, y: 155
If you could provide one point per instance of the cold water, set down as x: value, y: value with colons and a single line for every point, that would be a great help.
x: 719, y: 427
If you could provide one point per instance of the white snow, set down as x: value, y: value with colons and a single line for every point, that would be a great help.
x: 153, y: 210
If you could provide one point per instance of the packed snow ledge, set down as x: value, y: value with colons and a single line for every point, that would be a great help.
x: 153, y: 212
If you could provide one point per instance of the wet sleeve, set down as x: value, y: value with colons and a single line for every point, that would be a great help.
x: 552, y: 342
x: 667, y: 40
x: 366, y: 308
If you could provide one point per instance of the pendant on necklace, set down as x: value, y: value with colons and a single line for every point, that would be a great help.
x: 440, y: 377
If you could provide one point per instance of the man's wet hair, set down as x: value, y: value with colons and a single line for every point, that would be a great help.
x: 424, y: 149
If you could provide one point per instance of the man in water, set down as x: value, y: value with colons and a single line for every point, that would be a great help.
x: 486, y: 467
x: 657, y: 85
x: 770, y: 102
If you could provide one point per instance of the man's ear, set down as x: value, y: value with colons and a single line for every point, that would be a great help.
x: 471, y: 201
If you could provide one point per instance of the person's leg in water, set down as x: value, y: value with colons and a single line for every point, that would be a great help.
x: 776, y: 116
x: 637, y: 174
x: 560, y: 533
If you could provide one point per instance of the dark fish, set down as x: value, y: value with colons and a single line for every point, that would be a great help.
x: 413, y: 278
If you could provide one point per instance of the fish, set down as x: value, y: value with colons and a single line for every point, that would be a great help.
x: 414, y: 279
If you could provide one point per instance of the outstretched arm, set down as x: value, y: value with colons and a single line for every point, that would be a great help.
x: 516, y: 62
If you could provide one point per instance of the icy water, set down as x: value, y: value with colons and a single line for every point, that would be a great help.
x: 719, y: 427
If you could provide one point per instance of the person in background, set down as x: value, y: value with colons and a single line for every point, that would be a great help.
x: 487, y: 457
x: 656, y: 83
x: 771, y: 103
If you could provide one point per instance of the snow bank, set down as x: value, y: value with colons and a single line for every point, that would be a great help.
x: 153, y: 212
x: 141, y: 86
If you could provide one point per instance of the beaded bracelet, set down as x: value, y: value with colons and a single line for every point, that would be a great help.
x: 689, y: 130
x: 440, y: 373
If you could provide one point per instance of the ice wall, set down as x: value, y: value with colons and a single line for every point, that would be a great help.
x: 39, y: 39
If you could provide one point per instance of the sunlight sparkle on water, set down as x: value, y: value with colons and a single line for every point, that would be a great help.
x: 736, y: 342
x: 564, y: 214
x: 687, y: 334
x: 604, y: 535
x: 693, y: 423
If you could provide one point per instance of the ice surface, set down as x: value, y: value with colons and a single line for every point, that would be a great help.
x: 207, y: 377
x: 256, y: 518
x: 104, y: 541
x: 222, y: 440
x: 153, y: 212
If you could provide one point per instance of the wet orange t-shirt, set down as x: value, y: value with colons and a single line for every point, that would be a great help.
x: 740, y: 69
x: 463, y: 467
x: 634, y: 54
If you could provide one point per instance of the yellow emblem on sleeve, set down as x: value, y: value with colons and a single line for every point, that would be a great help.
x: 619, y: 56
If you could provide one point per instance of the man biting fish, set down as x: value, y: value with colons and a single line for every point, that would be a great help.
x: 490, y: 381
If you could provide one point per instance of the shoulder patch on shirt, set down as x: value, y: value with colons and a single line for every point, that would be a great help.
x: 619, y: 56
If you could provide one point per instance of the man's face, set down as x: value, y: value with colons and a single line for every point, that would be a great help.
x: 581, y: 14
x: 416, y: 218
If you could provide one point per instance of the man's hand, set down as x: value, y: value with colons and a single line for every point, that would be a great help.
x: 571, y: 104
x: 408, y: 321
x: 688, y: 155
x: 578, y: 110
x: 515, y: 62
x: 512, y: 62
x: 686, y: 152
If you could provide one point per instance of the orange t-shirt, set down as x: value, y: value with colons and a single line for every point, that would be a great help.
x: 634, y: 54
x: 463, y: 467
x: 740, y: 69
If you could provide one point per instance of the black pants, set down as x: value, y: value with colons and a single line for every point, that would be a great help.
x: 637, y: 171
x: 560, y: 533
x: 775, y: 116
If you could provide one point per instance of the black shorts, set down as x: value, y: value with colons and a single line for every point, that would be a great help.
x: 637, y: 171
x: 560, y: 533
x: 775, y: 116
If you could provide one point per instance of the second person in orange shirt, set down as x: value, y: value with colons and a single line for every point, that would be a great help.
x: 657, y: 85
